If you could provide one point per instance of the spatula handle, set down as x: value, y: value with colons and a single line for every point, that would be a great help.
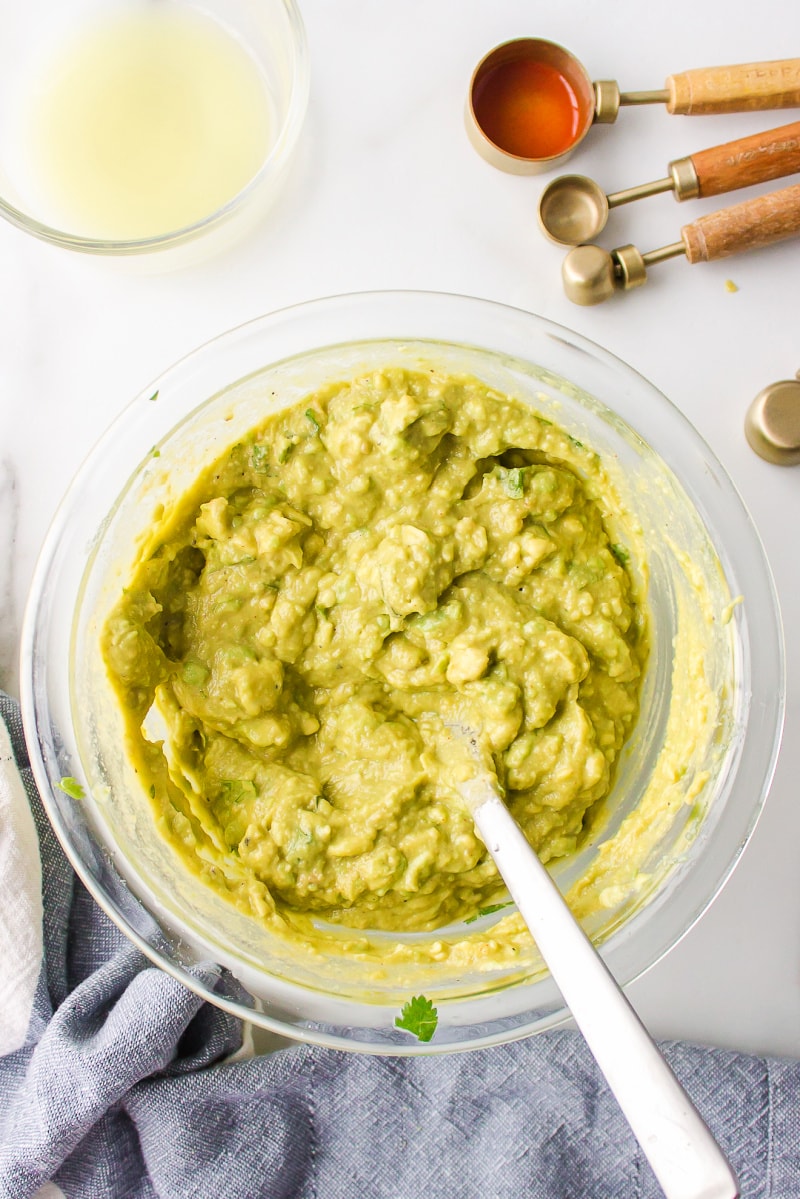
x: 747, y: 226
x: 748, y: 160
x: 748, y: 87
x: 685, y: 1158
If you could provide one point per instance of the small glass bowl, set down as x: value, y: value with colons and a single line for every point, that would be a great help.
x: 273, y: 33
x: 702, y: 555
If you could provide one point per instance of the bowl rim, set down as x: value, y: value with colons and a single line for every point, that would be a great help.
x: 772, y: 718
x: 271, y: 166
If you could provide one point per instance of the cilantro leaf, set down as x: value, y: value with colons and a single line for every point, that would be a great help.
x: 153, y: 397
x: 259, y: 456
x: 488, y: 911
x: 513, y: 481
x: 620, y: 553
x: 419, y: 1017
x: 312, y: 420
x: 236, y: 791
x: 71, y: 787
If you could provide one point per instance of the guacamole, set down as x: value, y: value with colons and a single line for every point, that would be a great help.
x: 399, y: 552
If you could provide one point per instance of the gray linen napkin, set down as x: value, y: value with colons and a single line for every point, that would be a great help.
x: 121, y: 1089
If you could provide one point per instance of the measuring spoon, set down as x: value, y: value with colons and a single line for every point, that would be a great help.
x: 574, y: 209
x: 685, y: 1158
x: 592, y: 275
x: 515, y: 88
x: 772, y: 424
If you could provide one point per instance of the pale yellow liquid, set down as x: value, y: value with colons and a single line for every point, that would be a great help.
x: 146, y: 124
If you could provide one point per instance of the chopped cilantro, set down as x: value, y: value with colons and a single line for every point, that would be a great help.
x: 155, y: 452
x: 154, y: 397
x: 72, y: 787
x: 311, y: 418
x: 419, y: 1017
x: 152, y: 790
x: 285, y: 452
x: 488, y: 911
x: 574, y: 441
x: 514, y: 482
x: 620, y: 553
x: 238, y: 790
x: 259, y: 456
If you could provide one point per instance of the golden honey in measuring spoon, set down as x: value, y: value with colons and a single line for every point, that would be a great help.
x: 527, y: 108
x: 145, y: 123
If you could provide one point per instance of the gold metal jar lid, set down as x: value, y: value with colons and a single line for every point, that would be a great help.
x: 772, y: 424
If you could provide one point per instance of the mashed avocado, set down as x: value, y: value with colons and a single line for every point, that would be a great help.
x: 396, y: 553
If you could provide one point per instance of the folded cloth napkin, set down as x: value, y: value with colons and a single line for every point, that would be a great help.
x: 118, y: 1082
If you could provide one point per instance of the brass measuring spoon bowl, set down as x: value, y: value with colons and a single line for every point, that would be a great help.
x: 772, y: 423
x: 589, y: 275
x: 572, y: 209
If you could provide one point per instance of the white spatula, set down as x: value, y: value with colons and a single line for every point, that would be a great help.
x: 685, y: 1158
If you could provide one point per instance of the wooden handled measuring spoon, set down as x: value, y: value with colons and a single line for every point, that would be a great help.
x: 574, y: 209
x: 685, y: 1158
x: 591, y: 274
x: 531, y: 102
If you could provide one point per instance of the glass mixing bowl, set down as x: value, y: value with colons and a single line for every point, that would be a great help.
x: 34, y: 33
x: 712, y: 612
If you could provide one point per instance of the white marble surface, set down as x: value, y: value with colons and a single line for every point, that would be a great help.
x: 386, y: 192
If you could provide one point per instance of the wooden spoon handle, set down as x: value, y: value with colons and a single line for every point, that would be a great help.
x: 745, y: 88
x: 748, y: 160
x: 748, y: 226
